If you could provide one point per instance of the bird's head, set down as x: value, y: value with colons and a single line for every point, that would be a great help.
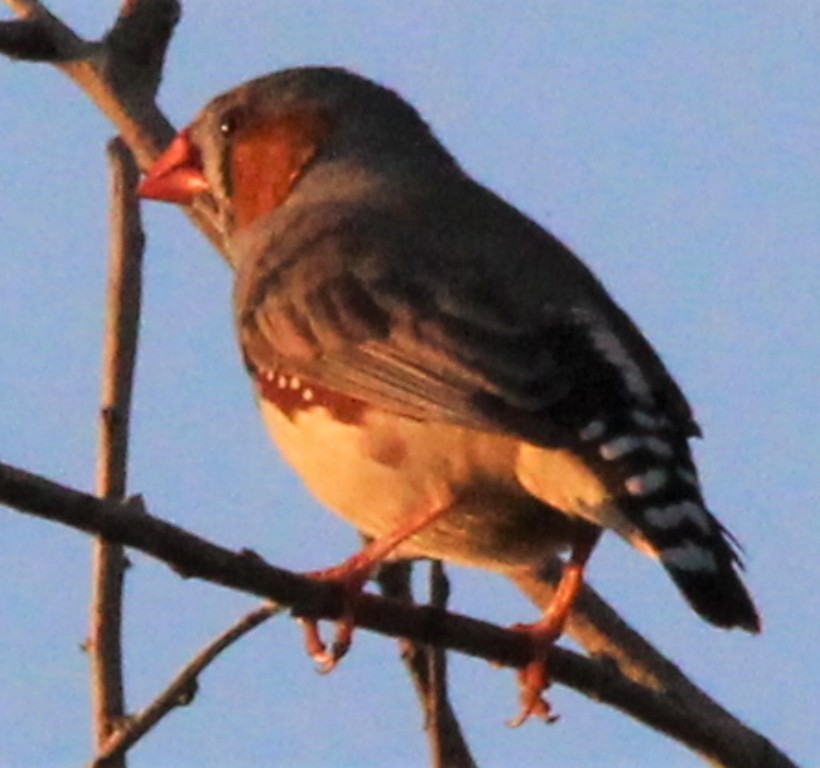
x: 325, y: 132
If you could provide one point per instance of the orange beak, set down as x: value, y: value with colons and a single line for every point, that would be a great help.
x: 176, y: 176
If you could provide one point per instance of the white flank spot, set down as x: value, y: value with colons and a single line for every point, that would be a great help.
x: 689, y: 557
x: 643, y: 485
x: 659, y: 447
x: 307, y: 394
x: 295, y: 383
x: 673, y: 515
x: 592, y: 431
x: 620, y: 446
x: 282, y: 382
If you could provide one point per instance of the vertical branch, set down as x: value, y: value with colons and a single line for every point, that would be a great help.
x: 119, y: 353
x: 426, y: 665
x: 447, y: 746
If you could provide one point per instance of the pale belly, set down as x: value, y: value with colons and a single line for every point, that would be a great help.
x: 381, y: 473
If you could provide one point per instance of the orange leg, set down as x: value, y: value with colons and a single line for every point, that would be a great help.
x: 534, y: 679
x: 352, y: 575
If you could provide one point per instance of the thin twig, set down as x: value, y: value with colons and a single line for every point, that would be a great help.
x: 426, y: 668
x: 119, y: 355
x: 446, y: 739
x: 180, y: 691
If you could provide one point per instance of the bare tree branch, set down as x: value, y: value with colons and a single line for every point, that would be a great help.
x: 120, y: 74
x: 25, y: 40
x: 724, y: 742
x: 135, y: 47
x: 426, y: 666
x: 40, y: 36
x: 119, y: 354
x: 180, y: 692
x: 445, y: 745
x: 597, y: 627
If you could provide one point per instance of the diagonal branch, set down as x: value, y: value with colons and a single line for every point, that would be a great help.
x: 180, y: 691
x: 726, y: 742
x: 40, y: 36
x: 25, y: 40
x: 119, y: 73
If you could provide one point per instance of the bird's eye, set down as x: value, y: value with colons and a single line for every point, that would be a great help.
x: 230, y: 121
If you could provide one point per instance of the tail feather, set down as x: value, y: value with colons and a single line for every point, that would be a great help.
x: 711, y: 585
x: 660, y: 510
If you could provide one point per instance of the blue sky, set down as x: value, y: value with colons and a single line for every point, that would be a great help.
x: 672, y: 144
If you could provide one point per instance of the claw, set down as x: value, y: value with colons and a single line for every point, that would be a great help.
x: 351, y: 575
x: 326, y: 659
x: 534, y: 678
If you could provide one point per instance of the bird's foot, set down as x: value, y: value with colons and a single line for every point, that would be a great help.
x: 351, y: 576
x: 534, y: 678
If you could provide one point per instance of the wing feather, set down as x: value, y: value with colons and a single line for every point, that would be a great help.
x: 428, y: 313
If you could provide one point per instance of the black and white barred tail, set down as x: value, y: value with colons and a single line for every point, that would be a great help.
x: 656, y: 492
x: 640, y: 449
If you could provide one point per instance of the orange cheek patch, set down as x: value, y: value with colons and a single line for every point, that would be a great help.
x: 268, y: 157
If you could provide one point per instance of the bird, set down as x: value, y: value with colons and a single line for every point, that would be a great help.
x: 441, y: 370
